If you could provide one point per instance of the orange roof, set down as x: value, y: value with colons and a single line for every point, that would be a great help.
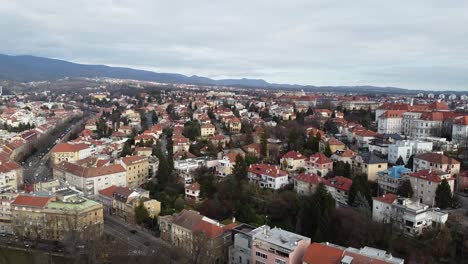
x: 133, y: 159
x: 266, y: 169
x: 66, y: 147
x: 387, y: 198
x: 294, y: 155
x: 309, y: 178
x: 209, y: 229
x: 31, y: 201
x: 318, y: 253
x: 437, y: 158
x: 339, y: 182
x: 193, y: 187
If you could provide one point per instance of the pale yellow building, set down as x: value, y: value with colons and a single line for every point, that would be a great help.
x: 369, y: 164
x: 136, y: 168
x: 207, y: 130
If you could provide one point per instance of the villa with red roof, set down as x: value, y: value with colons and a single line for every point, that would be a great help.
x: 70, y: 152
x: 293, y: 161
x: 320, y: 164
x: 425, y: 182
x: 436, y: 161
x: 267, y: 176
x: 306, y: 183
x: 339, y: 187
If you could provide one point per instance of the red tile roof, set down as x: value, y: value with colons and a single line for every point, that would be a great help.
x: 266, y: 169
x: 209, y: 229
x: 388, y: 198
x: 318, y: 253
x: 430, y: 175
x: 393, y: 114
x: 66, y: 147
x: 193, y: 187
x: 339, y: 182
x: 320, y: 158
x: 31, y: 201
x: 437, y: 158
x: 112, y: 190
x: 294, y: 155
x: 309, y: 178
x: 130, y: 160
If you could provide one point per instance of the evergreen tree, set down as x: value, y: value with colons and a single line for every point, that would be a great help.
x: 240, y: 169
x: 141, y: 214
x: 405, y: 189
x: 362, y: 204
x: 328, y: 151
x: 444, y: 198
x: 154, y: 117
x: 263, y: 144
x: 400, y: 161
x: 360, y: 185
x: 410, y: 162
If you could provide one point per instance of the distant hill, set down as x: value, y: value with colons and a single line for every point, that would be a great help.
x: 27, y: 68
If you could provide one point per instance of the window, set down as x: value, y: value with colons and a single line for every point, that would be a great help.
x: 260, y: 254
x: 280, y: 261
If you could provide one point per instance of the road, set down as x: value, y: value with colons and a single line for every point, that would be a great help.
x: 141, y: 242
x: 36, y: 168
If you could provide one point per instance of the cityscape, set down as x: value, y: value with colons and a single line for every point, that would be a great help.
x: 104, y: 161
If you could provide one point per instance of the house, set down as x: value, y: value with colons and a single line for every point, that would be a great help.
x: 369, y: 164
x: 122, y: 201
x: 192, y: 192
x: 267, y: 176
x: 425, y: 182
x: 275, y: 245
x: 203, y: 238
x: 143, y: 151
x: 11, y: 176
x: 180, y: 143
x: 226, y: 164
x: 436, y: 161
x: 406, y: 148
x: 70, y: 152
x: 390, y: 122
x: 327, y: 253
x: 240, y: 252
x: 253, y: 149
x: 333, y: 143
x: 410, y: 216
x: 390, y: 180
x: 90, y: 180
x: 346, y: 155
x: 207, y: 130
x: 136, y: 168
x: 320, y: 164
x: 293, y: 161
x: 306, y: 183
x: 233, y: 124
x: 186, y: 167
x: 5, y: 207
x: 460, y: 130
x: 339, y: 187
x: 55, y: 217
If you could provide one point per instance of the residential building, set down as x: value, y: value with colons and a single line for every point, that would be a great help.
x: 390, y: 180
x: 267, y: 176
x: 406, y: 148
x: 70, y: 152
x: 186, y: 167
x: 293, y: 161
x: 425, y: 182
x: 357, y: 105
x: 54, y: 217
x: 11, y: 176
x: 306, y: 183
x: 327, y: 253
x: 205, y: 239
x: 240, y: 252
x: 207, y: 130
x: 90, y: 180
x: 278, y: 246
x: 180, y: 143
x: 410, y: 216
x: 320, y: 164
x: 192, y: 192
x: 6, y: 199
x: 460, y: 130
x: 136, y: 169
x: 122, y: 201
x: 436, y: 161
x: 369, y: 164
x: 339, y: 187
x: 390, y: 122
x: 346, y: 155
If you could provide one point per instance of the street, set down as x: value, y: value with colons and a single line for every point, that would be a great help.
x: 139, y: 241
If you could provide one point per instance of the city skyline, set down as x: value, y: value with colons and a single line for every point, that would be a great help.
x: 305, y: 42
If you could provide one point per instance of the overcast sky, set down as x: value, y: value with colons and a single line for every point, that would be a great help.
x: 411, y: 44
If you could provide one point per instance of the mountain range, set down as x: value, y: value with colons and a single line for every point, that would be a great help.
x: 26, y: 68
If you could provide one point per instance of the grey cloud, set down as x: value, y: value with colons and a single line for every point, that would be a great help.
x: 412, y: 44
